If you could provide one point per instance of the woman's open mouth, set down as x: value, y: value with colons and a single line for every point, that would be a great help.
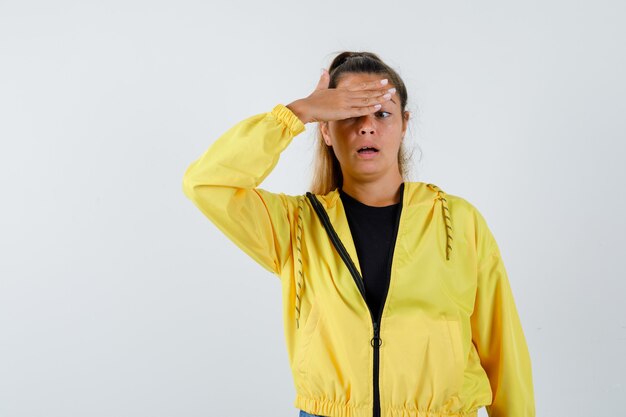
x: 367, y: 152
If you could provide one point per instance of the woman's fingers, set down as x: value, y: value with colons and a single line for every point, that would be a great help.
x: 362, y: 111
x: 369, y: 99
x: 369, y: 96
x: 351, y: 100
x: 368, y: 93
x: 367, y: 85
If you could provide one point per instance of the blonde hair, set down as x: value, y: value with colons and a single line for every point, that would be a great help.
x: 327, y: 174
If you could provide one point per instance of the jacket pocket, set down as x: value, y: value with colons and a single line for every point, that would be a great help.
x: 446, y: 366
x: 423, y: 357
x: 308, y: 331
x: 456, y: 345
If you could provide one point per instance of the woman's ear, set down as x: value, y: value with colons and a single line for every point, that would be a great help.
x: 405, y: 122
x: 325, y: 135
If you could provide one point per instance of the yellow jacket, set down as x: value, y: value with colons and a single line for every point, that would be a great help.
x: 450, y: 339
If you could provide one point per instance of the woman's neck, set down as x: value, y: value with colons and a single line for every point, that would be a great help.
x: 378, y: 193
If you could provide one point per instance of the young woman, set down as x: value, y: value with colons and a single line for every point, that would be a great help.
x: 396, y: 301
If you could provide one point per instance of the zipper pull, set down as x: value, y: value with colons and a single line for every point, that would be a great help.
x: 376, y: 340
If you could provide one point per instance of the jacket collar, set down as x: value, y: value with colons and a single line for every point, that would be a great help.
x: 415, y: 195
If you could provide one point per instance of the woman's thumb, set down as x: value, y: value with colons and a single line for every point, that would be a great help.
x: 324, y: 80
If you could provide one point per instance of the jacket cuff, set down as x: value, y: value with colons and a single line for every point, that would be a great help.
x: 288, y: 118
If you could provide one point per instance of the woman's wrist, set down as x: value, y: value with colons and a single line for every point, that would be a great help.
x: 296, y: 108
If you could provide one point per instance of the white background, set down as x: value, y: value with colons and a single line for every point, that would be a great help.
x: 119, y: 298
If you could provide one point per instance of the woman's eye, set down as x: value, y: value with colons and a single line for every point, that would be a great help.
x: 383, y: 114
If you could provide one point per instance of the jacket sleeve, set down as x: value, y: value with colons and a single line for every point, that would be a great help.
x: 223, y: 183
x: 498, y: 335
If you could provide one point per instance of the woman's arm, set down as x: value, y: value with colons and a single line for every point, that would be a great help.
x: 498, y: 335
x: 223, y: 183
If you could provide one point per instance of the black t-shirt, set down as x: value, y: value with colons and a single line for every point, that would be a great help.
x: 372, y: 230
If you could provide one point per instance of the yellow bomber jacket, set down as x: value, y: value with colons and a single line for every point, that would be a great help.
x: 449, y: 340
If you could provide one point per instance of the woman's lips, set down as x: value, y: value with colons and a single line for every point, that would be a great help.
x: 367, y: 154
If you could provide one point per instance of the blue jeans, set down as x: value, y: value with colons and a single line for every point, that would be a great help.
x: 305, y: 414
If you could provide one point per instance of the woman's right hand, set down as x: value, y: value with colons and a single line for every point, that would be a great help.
x: 349, y: 100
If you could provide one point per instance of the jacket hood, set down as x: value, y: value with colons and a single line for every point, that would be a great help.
x: 414, y: 193
x: 440, y: 197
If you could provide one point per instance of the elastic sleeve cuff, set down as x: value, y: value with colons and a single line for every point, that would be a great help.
x: 286, y: 116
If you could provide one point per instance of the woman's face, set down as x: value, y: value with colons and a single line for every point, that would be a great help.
x: 383, y: 130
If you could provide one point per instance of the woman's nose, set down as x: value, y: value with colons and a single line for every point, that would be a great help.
x: 367, y: 125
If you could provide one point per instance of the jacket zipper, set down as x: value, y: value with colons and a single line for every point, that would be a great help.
x: 376, y: 341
